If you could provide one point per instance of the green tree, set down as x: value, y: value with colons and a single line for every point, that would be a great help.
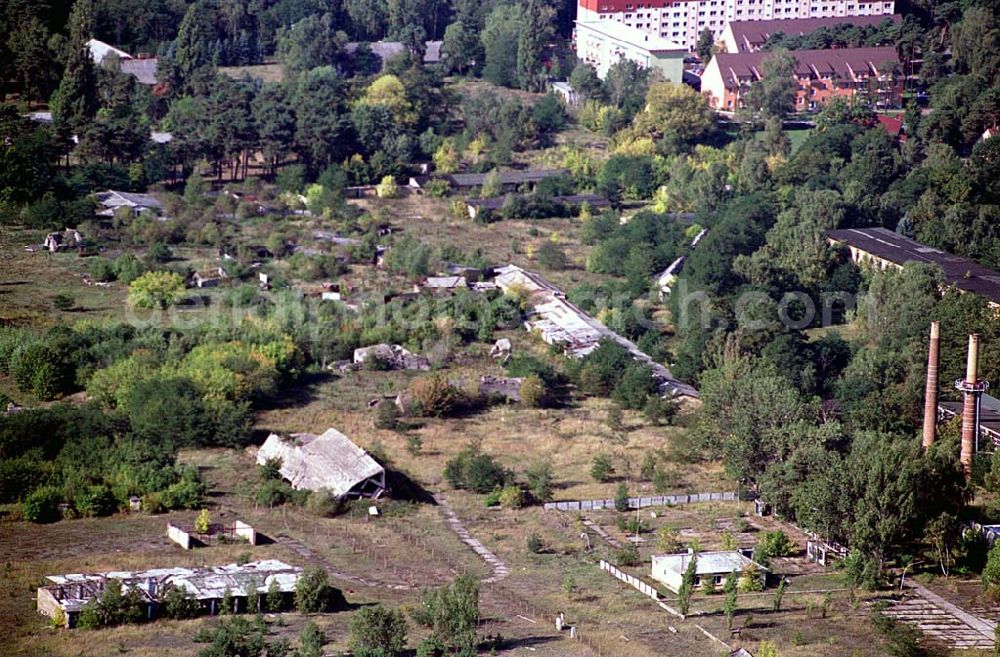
x: 585, y: 82
x: 539, y: 479
x: 274, y: 599
x: 460, y: 48
x: 774, y: 94
x: 75, y: 102
x: 500, y: 38
x: 621, y: 498
x: 308, y: 44
x: 189, y: 66
x: 674, y: 110
x: 452, y: 612
x: 42, y: 505
x: 321, y: 122
x: 274, y: 116
x: 156, y: 289
x: 687, y: 585
x: 747, y: 412
x: 552, y: 256
x: 311, y: 640
x: 312, y: 591
x: 706, y: 44
x: 730, y: 589
x: 178, y: 604
x: 377, y: 632
x: 779, y: 594
x: 601, y: 469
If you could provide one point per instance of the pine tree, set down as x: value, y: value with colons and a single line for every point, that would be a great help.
x: 75, y: 102
x: 534, y: 28
x: 687, y: 585
x: 194, y: 50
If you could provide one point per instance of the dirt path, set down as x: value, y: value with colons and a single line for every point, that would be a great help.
x: 942, y: 620
x: 299, y: 548
x: 499, y: 568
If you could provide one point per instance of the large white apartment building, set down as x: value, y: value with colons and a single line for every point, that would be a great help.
x: 684, y: 20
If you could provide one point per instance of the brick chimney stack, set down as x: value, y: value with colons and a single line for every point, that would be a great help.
x: 931, y: 390
x: 972, y: 389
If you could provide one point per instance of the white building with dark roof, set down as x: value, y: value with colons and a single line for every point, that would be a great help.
x: 329, y: 461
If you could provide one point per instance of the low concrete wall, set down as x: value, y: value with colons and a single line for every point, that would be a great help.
x: 642, y: 502
x: 245, y: 531
x: 634, y: 582
x: 49, y: 606
x: 179, y: 536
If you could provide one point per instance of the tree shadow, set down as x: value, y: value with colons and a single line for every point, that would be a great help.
x: 298, y: 395
x: 405, y: 489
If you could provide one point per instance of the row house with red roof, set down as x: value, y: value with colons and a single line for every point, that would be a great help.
x: 871, y: 75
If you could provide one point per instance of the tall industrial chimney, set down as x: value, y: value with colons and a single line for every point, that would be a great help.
x: 972, y: 388
x: 931, y: 391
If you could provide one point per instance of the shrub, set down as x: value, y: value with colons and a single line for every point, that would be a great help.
x: 377, y: 632
x: 414, y: 444
x: 659, y: 411
x: 534, y: 543
x: 552, y: 256
x: 203, y: 522
x: 511, y: 497
x: 42, y: 505
x: 492, y: 498
x: 322, y: 503
x: 772, y: 544
x: 156, y: 289
x: 179, y: 604
x: 533, y: 393
x: 621, y: 498
x: 96, y: 501
x: 272, y: 493
x: 539, y: 480
x: 387, y: 188
x: 435, y: 397
x: 387, y: 415
x: 629, y: 555
x: 64, y: 302
x: 602, y: 470
x: 475, y: 471
x: 102, y: 270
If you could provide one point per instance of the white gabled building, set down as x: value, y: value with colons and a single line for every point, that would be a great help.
x: 711, y: 569
x: 329, y: 461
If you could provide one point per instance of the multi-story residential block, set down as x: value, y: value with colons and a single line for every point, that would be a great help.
x: 684, y: 20
x: 605, y: 43
x: 749, y: 36
x: 872, y: 74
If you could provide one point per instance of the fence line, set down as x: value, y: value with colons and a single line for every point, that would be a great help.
x: 642, y: 502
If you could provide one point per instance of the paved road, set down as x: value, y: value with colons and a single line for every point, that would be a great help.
x: 943, y: 620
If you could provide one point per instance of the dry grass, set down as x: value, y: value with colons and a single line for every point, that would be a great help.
x: 29, y: 281
x: 272, y: 72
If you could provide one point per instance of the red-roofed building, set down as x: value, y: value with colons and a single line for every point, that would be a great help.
x: 822, y: 75
x: 893, y: 125
x: 749, y: 36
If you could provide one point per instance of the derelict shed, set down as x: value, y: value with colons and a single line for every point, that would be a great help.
x: 71, y: 593
x: 329, y: 461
